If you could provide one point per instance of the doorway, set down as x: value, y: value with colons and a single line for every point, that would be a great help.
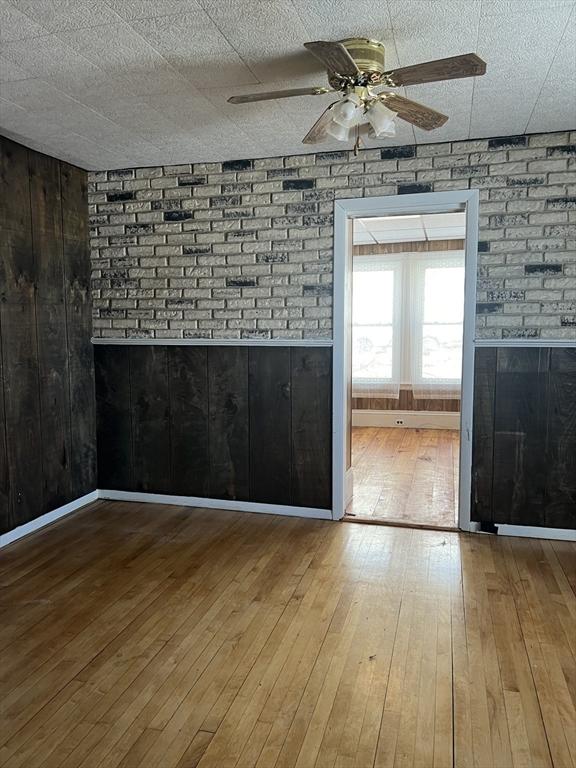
x: 405, y: 271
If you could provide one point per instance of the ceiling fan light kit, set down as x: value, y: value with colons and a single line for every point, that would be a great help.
x: 338, y: 131
x: 355, y: 69
x: 349, y: 111
x: 381, y: 119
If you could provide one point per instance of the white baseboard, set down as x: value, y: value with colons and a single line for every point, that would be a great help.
x: 232, y: 505
x: 534, y: 532
x: 406, y: 419
x: 49, y: 517
x: 563, y: 534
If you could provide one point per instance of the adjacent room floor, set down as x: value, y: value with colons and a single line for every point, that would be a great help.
x: 149, y: 636
x: 408, y: 476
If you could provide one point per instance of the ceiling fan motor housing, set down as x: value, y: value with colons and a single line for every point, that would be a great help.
x: 369, y: 57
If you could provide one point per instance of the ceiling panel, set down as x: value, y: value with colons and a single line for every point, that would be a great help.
x: 149, y: 79
x: 552, y: 106
x: 192, y: 44
x: 17, y: 25
x: 413, y: 228
x: 516, y: 73
x: 58, y: 15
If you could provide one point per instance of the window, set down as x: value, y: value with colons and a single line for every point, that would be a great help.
x: 407, y: 324
x: 374, y: 326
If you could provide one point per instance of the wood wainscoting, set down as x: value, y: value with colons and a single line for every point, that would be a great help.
x: 524, y: 437
x: 220, y: 422
x: 405, y: 402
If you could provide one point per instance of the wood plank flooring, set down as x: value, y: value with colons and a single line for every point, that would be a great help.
x: 135, y: 635
x: 407, y: 476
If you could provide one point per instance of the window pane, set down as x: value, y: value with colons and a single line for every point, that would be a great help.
x: 442, y: 351
x: 373, y: 296
x: 444, y: 295
x: 371, y: 352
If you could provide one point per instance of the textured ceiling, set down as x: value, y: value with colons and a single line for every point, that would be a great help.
x: 406, y: 229
x: 113, y: 83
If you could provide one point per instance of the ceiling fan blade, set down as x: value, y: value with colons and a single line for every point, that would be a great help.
x: 417, y: 114
x: 248, y: 98
x: 317, y: 133
x: 467, y: 65
x: 334, y: 56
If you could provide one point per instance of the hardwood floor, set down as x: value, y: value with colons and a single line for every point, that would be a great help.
x: 408, y: 476
x: 164, y: 637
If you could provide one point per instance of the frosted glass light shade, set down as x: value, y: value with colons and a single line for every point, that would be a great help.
x: 337, y: 131
x: 348, y: 112
x: 381, y: 119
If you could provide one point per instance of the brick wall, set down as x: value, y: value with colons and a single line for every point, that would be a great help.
x: 244, y: 248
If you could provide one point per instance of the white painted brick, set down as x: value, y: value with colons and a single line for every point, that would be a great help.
x: 515, y: 184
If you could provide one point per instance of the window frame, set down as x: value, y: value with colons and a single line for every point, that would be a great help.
x: 409, y: 270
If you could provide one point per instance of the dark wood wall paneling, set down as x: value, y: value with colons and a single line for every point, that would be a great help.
x: 405, y: 402
x: 223, y: 422
x: 524, y: 453
x: 47, y: 445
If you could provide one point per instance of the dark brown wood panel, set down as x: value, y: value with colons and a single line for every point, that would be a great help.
x: 415, y: 246
x: 311, y: 385
x: 229, y: 422
x: 15, y: 212
x: 270, y: 424
x: 74, y: 186
x: 76, y: 258
x: 561, y: 440
x: 405, y: 402
x: 520, y: 416
x: 54, y: 405
x: 150, y: 408
x: 114, y: 425
x: 82, y: 399
x: 483, y: 434
x: 216, y: 422
x: 23, y: 419
x: 188, y: 385
x: 525, y: 408
x: 17, y: 267
x: 47, y: 227
x: 48, y: 454
x: 4, y: 476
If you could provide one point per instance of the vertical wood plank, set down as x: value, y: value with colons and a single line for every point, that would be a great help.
x: 4, y: 478
x: 14, y: 186
x: 74, y: 186
x: 188, y: 385
x: 229, y: 427
x: 561, y: 441
x: 519, y: 487
x: 150, y: 418
x: 114, y: 425
x: 311, y: 386
x: 17, y: 267
x: 270, y: 424
x: 76, y: 261
x: 22, y: 402
x: 483, y: 434
x: 54, y: 406
x: 82, y: 399
x: 47, y: 227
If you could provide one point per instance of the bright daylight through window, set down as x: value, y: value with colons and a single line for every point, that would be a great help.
x: 408, y: 312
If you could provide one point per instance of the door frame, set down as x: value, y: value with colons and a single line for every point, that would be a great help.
x: 345, y: 210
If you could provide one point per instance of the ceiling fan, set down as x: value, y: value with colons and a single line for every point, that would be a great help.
x: 355, y: 68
